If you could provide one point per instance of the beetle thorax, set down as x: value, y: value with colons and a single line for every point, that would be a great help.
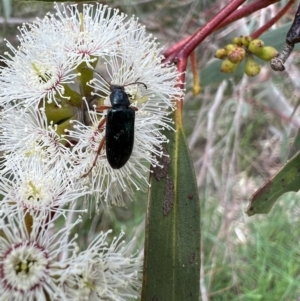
x: 118, y: 96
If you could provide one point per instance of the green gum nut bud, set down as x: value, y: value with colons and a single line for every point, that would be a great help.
x: 228, y: 67
x: 251, y: 68
x: 237, y: 55
x: 245, y: 40
x: 230, y: 47
x: 256, y: 46
x: 268, y: 53
x: 237, y: 41
x: 221, y: 53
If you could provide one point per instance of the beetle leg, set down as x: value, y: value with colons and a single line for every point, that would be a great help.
x: 97, y: 155
x: 134, y: 108
x: 102, y: 108
x: 101, y: 144
x: 101, y: 123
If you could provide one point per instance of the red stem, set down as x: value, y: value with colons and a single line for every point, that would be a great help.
x: 203, y: 32
x: 199, y: 36
x: 176, y: 47
x: 181, y: 51
x: 246, y: 11
x: 236, y: 15
x: 261, y: 30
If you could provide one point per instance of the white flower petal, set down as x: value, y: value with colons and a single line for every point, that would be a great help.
x: 30, y: 265
x: 105, y: 271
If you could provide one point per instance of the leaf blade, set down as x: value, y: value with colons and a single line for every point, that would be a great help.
x: 285, y: 180
x: 172, y: 247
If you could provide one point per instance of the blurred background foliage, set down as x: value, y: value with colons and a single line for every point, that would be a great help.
x: 239, y: 132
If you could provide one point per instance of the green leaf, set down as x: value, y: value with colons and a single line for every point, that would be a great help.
x: 172, y: 246
x: 285, y: 180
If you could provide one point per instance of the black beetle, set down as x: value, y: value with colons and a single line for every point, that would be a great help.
x: 119, y: 129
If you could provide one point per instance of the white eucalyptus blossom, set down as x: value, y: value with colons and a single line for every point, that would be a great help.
x: 94, y: 32
x: 33, y: 187
x: 31, y: 264
x: 34, y: 73
x: 26, y: 133
x: 52, y: 71
x: 105, y: 272
x: 54, y: 92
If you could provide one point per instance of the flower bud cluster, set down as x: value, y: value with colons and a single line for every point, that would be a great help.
x: 244, y: 48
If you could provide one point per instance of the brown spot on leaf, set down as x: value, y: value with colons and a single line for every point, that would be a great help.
x: 168, y: 197
x: 190, y: 196
x: 192, y: 257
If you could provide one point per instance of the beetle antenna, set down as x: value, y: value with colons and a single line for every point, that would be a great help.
x: 98, y: 74
x: 139, y: 83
